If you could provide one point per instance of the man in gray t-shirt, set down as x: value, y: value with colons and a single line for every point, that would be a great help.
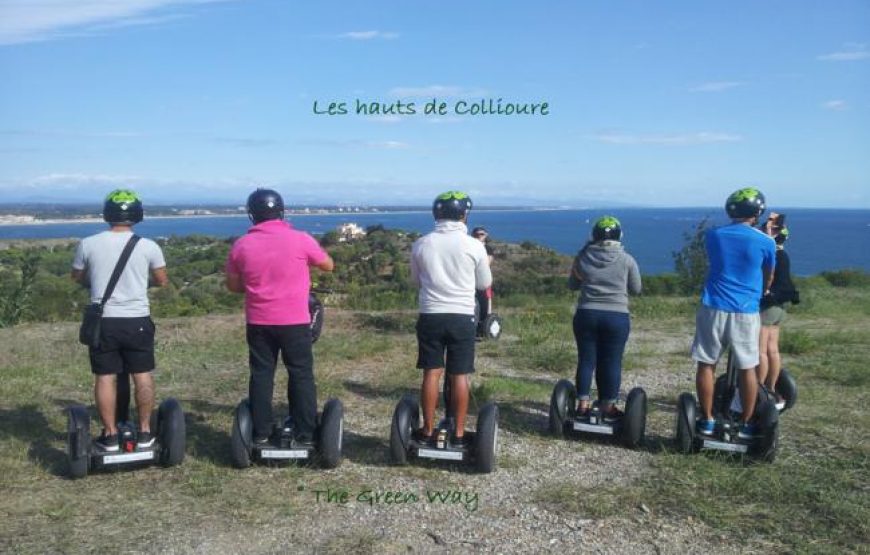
x: 127, y: 331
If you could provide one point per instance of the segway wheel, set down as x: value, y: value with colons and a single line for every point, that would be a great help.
x: 786, y: 386
x: 315, y: 309
x: 687, y: 409
x: 331, y: 433
x: 767, y: 445
x: 492, y: 326
x: 486, y: 438
x: 78, y: 441
x: 634, y: 421
x: 242, y: 435
x: 171, y: 432
x: 405, y: 418
x: 562, y: 404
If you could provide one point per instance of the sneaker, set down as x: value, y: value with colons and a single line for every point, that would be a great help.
x: 421, y: 437
x: 460, y: 442
x: 108, y: 444
x: 612, y: 415
x: 145, y: 440
x: 706, y: 427
x: 748, y: 431
x: 261, y: 441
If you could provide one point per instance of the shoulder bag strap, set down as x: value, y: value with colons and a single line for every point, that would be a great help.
x: 119, y: 268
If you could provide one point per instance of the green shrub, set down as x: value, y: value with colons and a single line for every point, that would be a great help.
x: 847, y: 278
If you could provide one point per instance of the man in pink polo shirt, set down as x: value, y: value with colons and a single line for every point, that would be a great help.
x: 270, y: 265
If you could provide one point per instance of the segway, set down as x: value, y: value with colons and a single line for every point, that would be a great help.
x: 726, y: 413
x: 167, y: 423
x: 489, y: 324
x: 629, y: 427
x: 282, y: 446
x: 480, y: 449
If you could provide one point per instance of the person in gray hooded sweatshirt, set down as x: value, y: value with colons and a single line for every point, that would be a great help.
x: 605, y: 275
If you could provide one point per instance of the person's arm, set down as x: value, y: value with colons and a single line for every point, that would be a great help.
x: 79, y: 276
x: 159, y: 277
x: 769, y: 266
x: 482, y: 273
x: 634, y: 280
x: 575, y: 278
x: 157, y: 265
x: 234, y: 280
x: 235, y: 283
x: 326, y: 265
x: 415, y: 270
x: 79, y: 271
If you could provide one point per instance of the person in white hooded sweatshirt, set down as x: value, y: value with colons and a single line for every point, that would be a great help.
x: 448, y: 266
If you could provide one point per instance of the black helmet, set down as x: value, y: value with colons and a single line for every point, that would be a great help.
x: 122, y: 206
x: 265, y: 204
x: 452, y: 205
x: 607, y: 228
x: 746, y: 203
x: 782, y: 236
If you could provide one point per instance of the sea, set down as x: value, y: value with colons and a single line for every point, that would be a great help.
x: 820, y: 239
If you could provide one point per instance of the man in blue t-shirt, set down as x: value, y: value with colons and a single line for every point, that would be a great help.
x: 741, y: 260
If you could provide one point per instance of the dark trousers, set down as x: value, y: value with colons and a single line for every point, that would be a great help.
x: 601, y: 337
x: 294, y: 343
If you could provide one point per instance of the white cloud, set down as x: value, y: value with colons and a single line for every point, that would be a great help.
x: 357, y: 143
x: 38, y: 20
x: 74, y: 134
x: 836, y: 105
x: 715, y: 86
x: 432, y: 91
x: 390, y: 118
x: 368, y: 35
x: 681, y: 139
x: 851, y: 51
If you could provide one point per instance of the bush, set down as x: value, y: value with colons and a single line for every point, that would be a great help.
x: 847, y: 278
x: 690, y: 262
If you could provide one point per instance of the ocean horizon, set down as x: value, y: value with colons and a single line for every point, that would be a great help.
x: 820, y: 240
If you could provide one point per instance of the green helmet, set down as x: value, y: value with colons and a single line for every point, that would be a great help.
x: 745, y: 203
x: 122, y: 206
x: 782, y: 236
x: 607, y: 228
x: 452, y: 205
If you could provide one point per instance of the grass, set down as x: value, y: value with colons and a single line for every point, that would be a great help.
x: 814, y: 498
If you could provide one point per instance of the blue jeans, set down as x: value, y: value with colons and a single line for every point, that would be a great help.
x: 601, y: 337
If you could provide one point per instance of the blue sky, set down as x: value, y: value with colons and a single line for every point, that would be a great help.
x: 651, y: 103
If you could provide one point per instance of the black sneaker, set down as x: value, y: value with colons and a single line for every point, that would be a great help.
x: 421, y: 437
x: 261, y: 441
x: 145, y: 440
x: 108, y: 444
x: 613, y: 415
x: 460, y: 442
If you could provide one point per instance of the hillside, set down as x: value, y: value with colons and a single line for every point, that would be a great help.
x: 547, y: 494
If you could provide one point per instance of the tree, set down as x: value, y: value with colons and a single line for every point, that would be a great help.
x: 690, y: 262
x: 14, y: 308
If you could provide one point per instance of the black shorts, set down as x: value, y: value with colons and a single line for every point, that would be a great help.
x: 126, y: 345
x: 450, y: 333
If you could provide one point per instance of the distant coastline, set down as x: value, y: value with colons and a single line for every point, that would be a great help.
x: 25, y: 219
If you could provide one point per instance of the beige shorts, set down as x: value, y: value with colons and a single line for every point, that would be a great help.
x: 772, y: 316
x: 715, y: 330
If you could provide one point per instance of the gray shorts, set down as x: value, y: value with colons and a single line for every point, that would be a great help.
x: 772, y: 316
x: 716, y: 329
